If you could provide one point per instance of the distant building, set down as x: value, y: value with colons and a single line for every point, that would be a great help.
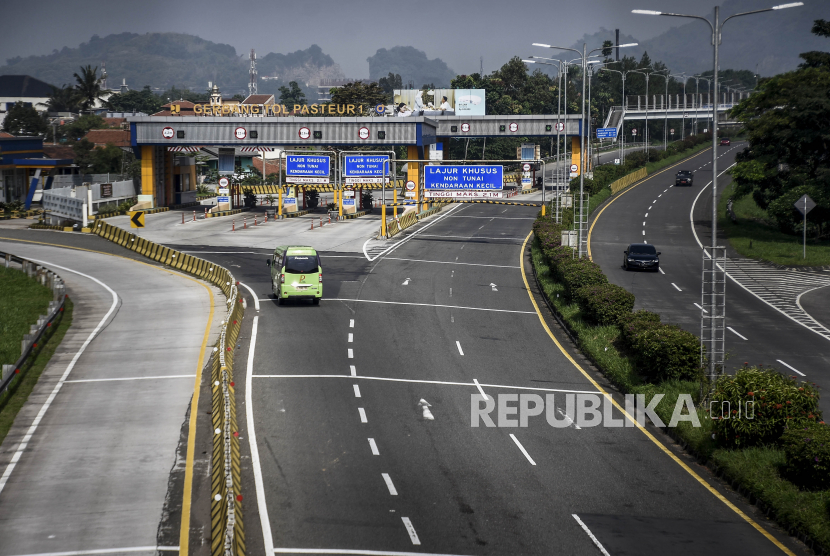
x: 325, y: 86
x: 22, y: 88
x: 104, y: 137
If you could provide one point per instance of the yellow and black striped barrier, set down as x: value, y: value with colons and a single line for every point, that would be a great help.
x: 222, y: 213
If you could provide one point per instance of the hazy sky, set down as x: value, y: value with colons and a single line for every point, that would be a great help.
x: 457, y: 31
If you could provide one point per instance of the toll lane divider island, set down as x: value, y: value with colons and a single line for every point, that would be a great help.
x: 227, y: 530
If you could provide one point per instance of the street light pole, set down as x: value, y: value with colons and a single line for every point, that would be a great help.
x: 584, y: 59
x: 716, y: 28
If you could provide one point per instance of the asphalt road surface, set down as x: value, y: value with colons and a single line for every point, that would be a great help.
x: 344, y: 455
x: 657, y: 212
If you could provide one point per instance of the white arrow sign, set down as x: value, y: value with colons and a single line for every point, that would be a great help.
x: 427, y: 414
x: 406, y: 282
x: 492, y: 285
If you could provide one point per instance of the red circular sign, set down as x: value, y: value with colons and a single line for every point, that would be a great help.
x: 304, y: 133
x: 224, y: 182
x: 240, y: 133
x: 410, y: 185
x: 465, y: 127
x: 363, y: 133
x: 168, y: 133
x: 514, y: 127
x: 526, y: 167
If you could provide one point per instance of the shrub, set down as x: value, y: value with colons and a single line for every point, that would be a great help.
x: 605, y: 303
x: 577, y: 273
x: 666, y: 352
x: 636, y: 322
x: 774, y: 401
x: 807, y: 450
x: 107, y: 208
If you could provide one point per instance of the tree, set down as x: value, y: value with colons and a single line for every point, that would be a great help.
x: 789, y: 146
x: 88, y: 87
x: 80, y: 127
x: 607, y: 48
x: 64, y: 99
x: 84, y: 157
x: 360, y: 94
x: 291, y: 95
x: 816, y: 59
x: 135, y: 101
x: 24, y: 120
x: 390, y: 83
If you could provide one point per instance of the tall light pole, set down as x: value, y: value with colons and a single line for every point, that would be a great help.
x: 622, y: 125
x: 683, y: 124
x: 645, y: 135
x: 560, y: 65
x: 716, y: 28
x: 665, y: 108
x: 584, y: 59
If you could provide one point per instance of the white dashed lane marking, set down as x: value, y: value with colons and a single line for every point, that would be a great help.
x: 736, y: 333
x: 790, y: 367
x: 675, y: 287
x: 362, y: 412
x: 374, y: 447
x: 388, y: 480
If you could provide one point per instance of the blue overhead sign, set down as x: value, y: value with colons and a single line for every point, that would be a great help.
x: 307, y: 165
x: 464, y: 177
x: 606, y: 133
x: 363, y: 165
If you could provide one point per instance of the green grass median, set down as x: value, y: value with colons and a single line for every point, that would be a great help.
x: 756, y: 237
x: 22, y: 301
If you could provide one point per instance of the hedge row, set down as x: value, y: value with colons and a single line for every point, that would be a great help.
x: 660, y: 351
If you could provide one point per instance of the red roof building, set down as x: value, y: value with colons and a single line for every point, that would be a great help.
x: 104, y: 137
x: 177, y: 108
x: 270, y: 167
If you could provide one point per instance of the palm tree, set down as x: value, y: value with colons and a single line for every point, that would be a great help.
x: 64, y: 99
x: 88, y: 87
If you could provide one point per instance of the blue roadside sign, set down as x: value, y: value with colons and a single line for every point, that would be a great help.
x: 464, y: 177
x: 363, y: 165
x: 606, y: 133
x: 307, y: 165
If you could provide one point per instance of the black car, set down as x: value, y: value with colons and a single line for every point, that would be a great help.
x: 683, y: 177
x: 642, y: 256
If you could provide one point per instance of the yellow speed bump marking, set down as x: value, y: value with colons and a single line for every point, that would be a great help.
x: 184, y: 537
x: 656, y: 442
x: 629, y: 188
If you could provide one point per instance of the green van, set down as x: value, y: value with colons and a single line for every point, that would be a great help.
x: 296, y: 272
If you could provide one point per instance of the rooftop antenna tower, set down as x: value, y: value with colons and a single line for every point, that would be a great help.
x: 252, y: 84
x: 481, y: 66
x: 103, y: 79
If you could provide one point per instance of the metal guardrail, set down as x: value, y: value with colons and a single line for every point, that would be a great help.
x: 29, y: 343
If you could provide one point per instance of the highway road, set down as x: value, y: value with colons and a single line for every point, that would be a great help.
x: 757, y: 333
x: 95, y: 459
x: 344, y: 457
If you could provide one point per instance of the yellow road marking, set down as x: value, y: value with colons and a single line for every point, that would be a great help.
x: 627, y: 189
x: 184, y: 537
x: 659, y: 444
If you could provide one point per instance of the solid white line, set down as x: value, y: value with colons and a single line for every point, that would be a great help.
x: 259, y: 483
x: 790, y: 367
x: 353, y: 370
x: 483, y: 395
x: 126, y: 378
x: 461, y: 351
x: 475, y: 237
x: 351, y: 353
x: 430, y: 305
x: 701, y: 308
x: 593, y: 538
x: 675, y: 287
x: 348, y: 551
x: 443, y: 382
x: 732, y: 330
x: 374, y: 447
x: 389, y: 484
x: 351, y: 323
x: 253, y: 295
x: 356, y: 390
x: 351, y: 337
x: 362, y: 415
x: 22, y: 446
x: 522, y: 448
x: 108, y: 551
x: 413, y: 536
x: 414, y: 234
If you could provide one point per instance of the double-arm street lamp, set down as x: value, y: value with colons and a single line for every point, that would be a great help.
x: 584, y: 59
x: 716, y: 28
